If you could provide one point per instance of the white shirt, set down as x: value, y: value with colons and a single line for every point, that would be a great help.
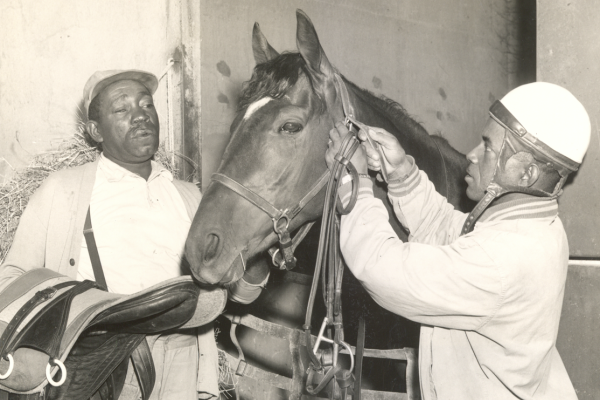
x: 140, y: 228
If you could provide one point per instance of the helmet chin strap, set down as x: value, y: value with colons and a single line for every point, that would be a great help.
x: 498, y: 186
x: 492, y: 192
x: 517, y: 140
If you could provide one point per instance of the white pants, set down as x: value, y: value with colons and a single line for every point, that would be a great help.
x: 176, y: 363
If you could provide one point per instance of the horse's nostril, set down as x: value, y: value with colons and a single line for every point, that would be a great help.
x: 212, y: 247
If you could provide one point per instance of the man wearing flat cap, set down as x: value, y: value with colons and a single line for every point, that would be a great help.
x: 140, y: 217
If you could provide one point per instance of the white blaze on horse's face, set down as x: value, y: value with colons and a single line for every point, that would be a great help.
x: 255, y: 106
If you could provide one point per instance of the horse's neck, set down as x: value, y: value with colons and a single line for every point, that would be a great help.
x: 444, y: 165
x: 375, y: 111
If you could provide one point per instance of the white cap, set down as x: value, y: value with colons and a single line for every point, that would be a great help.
x: 553, y: 115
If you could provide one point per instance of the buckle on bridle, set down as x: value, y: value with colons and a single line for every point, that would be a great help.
x: 285, y: 242
x: 276, y: 220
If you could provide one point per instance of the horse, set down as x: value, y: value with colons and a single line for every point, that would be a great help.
x: 278, y: 141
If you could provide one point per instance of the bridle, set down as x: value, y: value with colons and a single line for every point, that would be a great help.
x: 324, y: 365
x: 281, y: 217
x: 283, y: 255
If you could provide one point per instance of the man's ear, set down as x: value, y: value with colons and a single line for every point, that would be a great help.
x: 530, y: 175
x: 92, y: 129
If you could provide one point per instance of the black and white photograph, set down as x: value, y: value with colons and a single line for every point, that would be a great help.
x: 299, y: 199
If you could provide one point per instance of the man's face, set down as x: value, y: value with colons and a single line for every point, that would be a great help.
x: 128, y: 123
x: 483, y: 159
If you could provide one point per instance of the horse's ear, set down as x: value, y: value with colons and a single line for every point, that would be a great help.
x: 261, y: 48
x: 310, y: 48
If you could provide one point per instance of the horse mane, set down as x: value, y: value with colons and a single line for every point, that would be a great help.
x: 397, y: 113
x: 401, y: 118
x: 273, y: 78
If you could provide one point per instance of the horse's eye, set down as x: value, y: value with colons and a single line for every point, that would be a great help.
x: 290, y: 128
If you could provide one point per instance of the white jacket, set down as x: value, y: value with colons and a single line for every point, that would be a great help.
x: 489, y: 302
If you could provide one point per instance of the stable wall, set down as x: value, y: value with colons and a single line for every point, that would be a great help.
x: 48, y: 50
x: 446, y: 62
x: 568, y: 54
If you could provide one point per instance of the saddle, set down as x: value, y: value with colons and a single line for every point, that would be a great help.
x: 65, y: 339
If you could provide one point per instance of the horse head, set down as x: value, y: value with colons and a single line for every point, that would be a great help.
x: 277, y: 147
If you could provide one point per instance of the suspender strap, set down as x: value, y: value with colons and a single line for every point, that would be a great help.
x: 88, y: 233
x: 142, y: 356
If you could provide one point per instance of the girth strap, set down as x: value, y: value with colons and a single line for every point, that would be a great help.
x: 143, y: 365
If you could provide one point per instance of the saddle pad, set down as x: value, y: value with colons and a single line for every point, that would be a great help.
x: 176, y: 302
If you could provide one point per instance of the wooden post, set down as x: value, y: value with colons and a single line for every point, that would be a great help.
x: 191, y: 142
x: 184, y: 139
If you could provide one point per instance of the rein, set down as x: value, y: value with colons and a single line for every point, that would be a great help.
x: 324, y: 364
x: 281, y: 217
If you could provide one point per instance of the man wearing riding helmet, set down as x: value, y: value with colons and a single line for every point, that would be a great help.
x: 487, y: 287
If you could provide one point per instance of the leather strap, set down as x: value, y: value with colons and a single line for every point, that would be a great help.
x: 264, y: 204
x: 143, y: 365
x: 141, y: 358
x: 360, y: 350
x: 43, y: 295
x: 235, y: 321
x: 88, y: 233
x: 248, y: 194
x: 343, y: 91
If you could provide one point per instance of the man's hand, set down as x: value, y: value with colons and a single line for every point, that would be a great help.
x: 336, y: 137
x: 394, y: 157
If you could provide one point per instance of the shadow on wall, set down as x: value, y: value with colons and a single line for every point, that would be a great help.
x: 521, y: 40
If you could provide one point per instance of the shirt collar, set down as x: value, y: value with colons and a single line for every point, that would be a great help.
x: 527, y: 207
x: 114, y: 172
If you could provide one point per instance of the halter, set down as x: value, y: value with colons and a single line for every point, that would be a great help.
x: 283, y: 257
x: 328, y: 252
x: 281, y: 217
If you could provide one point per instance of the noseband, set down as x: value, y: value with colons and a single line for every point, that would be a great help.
x: 281, y: 217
